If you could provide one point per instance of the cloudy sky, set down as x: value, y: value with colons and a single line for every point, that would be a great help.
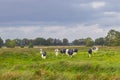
x: 72, y: 19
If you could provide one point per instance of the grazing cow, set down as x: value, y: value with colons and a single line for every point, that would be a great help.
x: 40, y: 51
x: 70, y: 52
x: 75, y: 51
x: 95, y: 49
x: 43, y: 55
x: 63, y: 51
x: 90, y: 52
x: 67, y: 51
x: 56, y: 52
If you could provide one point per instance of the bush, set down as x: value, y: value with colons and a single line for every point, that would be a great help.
x: 22, y: 46
x: 30, y: 45
x: 11, y: 43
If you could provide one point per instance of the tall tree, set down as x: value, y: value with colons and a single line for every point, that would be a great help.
x: 57, y: 42
x: 40, y: 41
x: 50, y: 41
x: 82, y: 41
x: 100, y: 41
x: 113, y: 38
x: 89, y: 42
x: 7, y: 42
x: 25, y: 42
x: 18, y: 42
x: 79, y: 42
x: 1, y: 42
x: 75, y: 42
x: 65, y: 41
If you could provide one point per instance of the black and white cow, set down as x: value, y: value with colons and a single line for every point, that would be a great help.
x: 40, y: 51
x: 63, y: 51
x: 90, y: 52
x: 43, y: 55
x: 75, y: 51
x: 67, y: 52
x: 56, y: 52
x: 70, y: 52
x: 95, y: 49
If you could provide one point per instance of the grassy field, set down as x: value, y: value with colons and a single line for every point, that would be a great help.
x: 27, y: 64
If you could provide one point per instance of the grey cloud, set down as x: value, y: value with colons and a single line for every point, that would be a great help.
x: 68, y: 13
x: 60, y: 11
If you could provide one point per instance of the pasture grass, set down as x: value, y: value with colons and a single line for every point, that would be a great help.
x: 27, y: 64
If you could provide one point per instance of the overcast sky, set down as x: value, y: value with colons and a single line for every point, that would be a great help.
x: 72, y: 19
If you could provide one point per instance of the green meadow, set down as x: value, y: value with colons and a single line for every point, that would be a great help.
x: 27, y: 64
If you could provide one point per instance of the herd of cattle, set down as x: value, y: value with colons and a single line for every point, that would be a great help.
x: 69, y: 52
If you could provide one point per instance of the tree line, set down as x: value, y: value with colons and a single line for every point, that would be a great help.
x: 112, y: 39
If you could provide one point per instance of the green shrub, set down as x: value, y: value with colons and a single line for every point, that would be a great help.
x: 30, y: 45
